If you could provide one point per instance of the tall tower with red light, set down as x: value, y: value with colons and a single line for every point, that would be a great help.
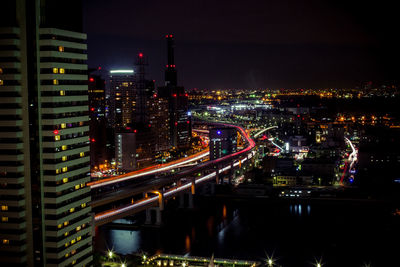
x: 170, y: 72
x: 180, y: 120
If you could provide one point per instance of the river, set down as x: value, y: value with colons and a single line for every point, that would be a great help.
x: 341, y: 233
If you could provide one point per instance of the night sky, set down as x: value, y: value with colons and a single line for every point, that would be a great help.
x: 249, y: 44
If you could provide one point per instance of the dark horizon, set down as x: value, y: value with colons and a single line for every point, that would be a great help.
x: 254, y: 45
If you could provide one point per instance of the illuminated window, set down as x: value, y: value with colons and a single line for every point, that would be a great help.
x: 55, y: 82
x: 64, y: 147
x: 125, y: 84
x: 61, y: 48
x: 66, y: 223
x: 55, y: 70
x: 83, y: 205
x: 1, y: 71
x: 67, y: 255
x: 78, y: 228
x: 57, y: 137
x: 66, y: 234
x: 64, y: 169
x: 81, y: 123
x: 4, y: 207
x: 59, y: 226
x: 64, y: 158
x: 6, y: 241
x: 63, y: 125
x: 1, y: 82
x: 62, y: 71
x: 62, y: 92
x: 73, y: 252
x: 65, y: 180
x: 73, y: 241
x: 82, y: 185
x: 58, y: 171
x: 82, y: 154
x: 71, y: 210
x: 73, y: 262
x: 66, y: 244
x: 78, y: 238
x: 4, y: 219
x: 77, y: 187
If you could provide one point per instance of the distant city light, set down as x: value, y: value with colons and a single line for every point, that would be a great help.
x: 218, y: 132
x: 121, y: 71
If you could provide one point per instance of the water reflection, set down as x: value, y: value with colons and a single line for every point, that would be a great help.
x: 224, y: 212
x: 297, y: 209
x: 125, y: 241
x: 187, y: 243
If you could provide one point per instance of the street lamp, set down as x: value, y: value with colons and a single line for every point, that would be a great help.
x: 110, y: 254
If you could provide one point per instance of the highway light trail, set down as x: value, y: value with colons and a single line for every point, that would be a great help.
x: 149, y: 170
x: 264, y: 130
x: 175, y: 190
x: 352, y: 159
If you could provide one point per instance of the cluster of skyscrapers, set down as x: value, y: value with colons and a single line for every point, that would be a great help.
x: 142, y: 122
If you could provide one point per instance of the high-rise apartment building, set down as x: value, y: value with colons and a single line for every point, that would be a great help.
x: 122, y: 98
x: 44, y: 135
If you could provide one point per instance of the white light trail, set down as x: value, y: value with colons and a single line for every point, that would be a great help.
x: 121, y: 71
x: 205, y: 154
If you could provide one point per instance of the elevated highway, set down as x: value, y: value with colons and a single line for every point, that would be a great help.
x: 153, y: 187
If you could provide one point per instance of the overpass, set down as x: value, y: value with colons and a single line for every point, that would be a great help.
x: 153, y: 187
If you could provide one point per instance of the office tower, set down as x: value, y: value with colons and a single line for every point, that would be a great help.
x: 144, y: 91
x: 159, y: 121
x: 223, y: 141
x: 98, y: 123
x: 125, y: 150
x: 180, y: 120
x: 122, y: 98
x: 44, y: 128
x: 134, y: 148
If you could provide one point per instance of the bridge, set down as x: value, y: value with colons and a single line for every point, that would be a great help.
x: 148, y: 189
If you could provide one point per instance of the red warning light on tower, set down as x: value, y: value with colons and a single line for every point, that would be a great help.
x: 140, y: 54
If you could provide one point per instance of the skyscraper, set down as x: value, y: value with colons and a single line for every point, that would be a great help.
x: 122, y: 97
x: 180, y: 121
x: 98, y: 123
x: 44, y: 128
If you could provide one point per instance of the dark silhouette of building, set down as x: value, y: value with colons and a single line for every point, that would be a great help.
x: 223, y: 141
x: 99, y: 153
x: 180, y: 120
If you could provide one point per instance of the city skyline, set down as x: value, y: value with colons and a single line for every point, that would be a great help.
x: 252, y: 45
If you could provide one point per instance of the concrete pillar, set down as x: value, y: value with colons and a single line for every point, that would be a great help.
x: 148, y: 216
x: 190, y: 200
x: 161, y: 201
x: 181, y: 200
x: 158, y: 216
x: 213, y: 188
